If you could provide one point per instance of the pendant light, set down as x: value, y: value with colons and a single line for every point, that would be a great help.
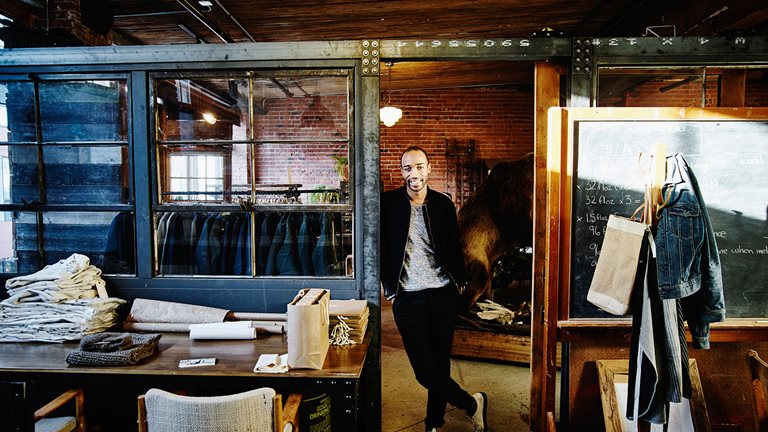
x: 389, y: 115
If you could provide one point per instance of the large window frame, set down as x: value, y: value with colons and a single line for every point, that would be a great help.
x: 45, y: 201
x: 291, y: 197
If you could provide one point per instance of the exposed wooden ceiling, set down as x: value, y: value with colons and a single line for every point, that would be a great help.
x: 232, y: 21
x: 156, y: 21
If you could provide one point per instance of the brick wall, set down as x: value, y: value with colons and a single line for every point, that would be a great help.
x: 321, y: 121
x: 499, y: 119
x: 657, y: 93
x: 689, y: 94
x: 756, y: 93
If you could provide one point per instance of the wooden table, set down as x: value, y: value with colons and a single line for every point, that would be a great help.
x: 27, y: 366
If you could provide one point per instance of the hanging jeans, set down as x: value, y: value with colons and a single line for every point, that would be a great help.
x: 658, y: 365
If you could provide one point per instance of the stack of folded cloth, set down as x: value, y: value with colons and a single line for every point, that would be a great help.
x: 113, y: 349
x: 63, y: 301
x: 354, y: 313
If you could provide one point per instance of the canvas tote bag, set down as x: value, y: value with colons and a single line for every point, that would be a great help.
x: 616, y: 269
x: 307, y: 329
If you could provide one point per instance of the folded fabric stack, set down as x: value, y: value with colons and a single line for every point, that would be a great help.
x: 72, y: 278
x: 63, y: 301
x: 351, y: 313
x: 113, y: 349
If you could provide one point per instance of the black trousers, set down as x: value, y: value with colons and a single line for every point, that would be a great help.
x: 426, y: 321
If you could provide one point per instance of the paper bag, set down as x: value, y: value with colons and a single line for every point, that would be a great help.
x: 307, y: 329
x: 611, y: 288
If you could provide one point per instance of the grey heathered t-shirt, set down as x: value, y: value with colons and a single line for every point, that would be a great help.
x: 420, y: 268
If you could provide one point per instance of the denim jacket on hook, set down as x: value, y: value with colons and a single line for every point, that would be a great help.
x: 687, y: 258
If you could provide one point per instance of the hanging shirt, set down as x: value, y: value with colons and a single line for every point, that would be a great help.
x: 420, y: 267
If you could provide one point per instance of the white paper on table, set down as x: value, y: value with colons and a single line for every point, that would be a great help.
x: 272, y: 363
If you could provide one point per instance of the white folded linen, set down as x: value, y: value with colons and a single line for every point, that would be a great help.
x: 67, y: 267
x: 272, y: 363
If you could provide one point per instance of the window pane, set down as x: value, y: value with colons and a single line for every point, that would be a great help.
x: 287, y: 244
x: 213, y: 166
x: 120, y: 250
x: 23, y: 177
x: 296, y: 154
x: 94, y: 110
x: 320, y: 173
x: 301, y: 108
x: 20, y: 234
x: 107, y: 238
x: 5, y: 177
x: 303, y: 244
x: 96, y: 235
x: 86, y: 175
x: 17, y: 119
x: 203, y: 243
x: 201, y: 109
x: 8, y: 259
x: 179, y: 166
x: 194, y: 171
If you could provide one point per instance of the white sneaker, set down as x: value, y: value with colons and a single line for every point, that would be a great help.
x: 479, y: 417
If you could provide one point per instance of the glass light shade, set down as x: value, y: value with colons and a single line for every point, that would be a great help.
x: 390, y: 115
x: 209, y: 118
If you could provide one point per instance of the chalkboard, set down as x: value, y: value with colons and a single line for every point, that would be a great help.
x: 729, y: 159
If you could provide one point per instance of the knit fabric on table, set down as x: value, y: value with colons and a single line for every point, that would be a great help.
x: 106, y: 342
x: 142, y: 346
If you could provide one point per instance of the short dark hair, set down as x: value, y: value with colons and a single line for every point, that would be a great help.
x: 411, y: 149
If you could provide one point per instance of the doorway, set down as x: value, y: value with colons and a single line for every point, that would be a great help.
x: 470, y: 117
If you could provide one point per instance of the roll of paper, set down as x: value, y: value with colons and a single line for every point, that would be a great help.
x: 146, y: 310
x: 155, y: 327
x: 256, y: 316
x: 199, y: 332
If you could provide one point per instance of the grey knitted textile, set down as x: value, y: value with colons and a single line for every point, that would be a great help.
x: 106, y: 342
x: 143, y: 346
x: 249, y: 411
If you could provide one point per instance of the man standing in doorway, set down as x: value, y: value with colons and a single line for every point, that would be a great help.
x: 422, y: 271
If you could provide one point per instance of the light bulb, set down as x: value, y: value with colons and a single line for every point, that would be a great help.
x: 390, y: 115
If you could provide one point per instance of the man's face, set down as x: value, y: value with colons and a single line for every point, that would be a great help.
x: 415, y: 169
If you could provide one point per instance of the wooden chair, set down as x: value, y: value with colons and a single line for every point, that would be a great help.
x: 229, y: 413
x: 45, y: 422
x: 759, y: 371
